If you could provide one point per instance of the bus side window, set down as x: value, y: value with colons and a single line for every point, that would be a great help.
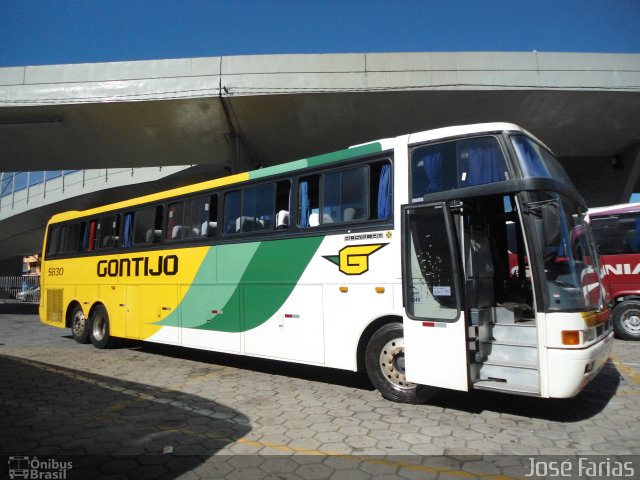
x: 108, y: 232
x: 91, y: 236
x: 54, y: 240
x: 175, y: 221
x: 127, y: 232
x: 147, y: 225
x: 258, y: 207
x: 232, y: 209
x: 72, y: 238
x: 211, y: 230
x: 380, y: 197
x: 346, y: 195
x: 283, y: 204
x: 198, y: 218
x: 309, y: 201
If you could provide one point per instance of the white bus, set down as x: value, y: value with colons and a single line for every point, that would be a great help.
x: 400, y: 257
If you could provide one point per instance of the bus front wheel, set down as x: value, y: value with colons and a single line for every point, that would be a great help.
x: 99, y: 328
x: 626, y: 319
x: 384, y: 361
x: 79, y: 325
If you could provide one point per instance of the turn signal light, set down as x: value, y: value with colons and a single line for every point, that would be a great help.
x: 571, y: 337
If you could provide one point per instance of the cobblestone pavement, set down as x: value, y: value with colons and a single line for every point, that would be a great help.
x: 152, y: 411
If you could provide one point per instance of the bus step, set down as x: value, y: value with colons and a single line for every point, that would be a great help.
x: 502, y: 386
x: 510, y: 374
x: 514, y: 334
x: 510, y: 354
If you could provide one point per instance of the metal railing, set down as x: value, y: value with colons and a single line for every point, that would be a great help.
x: 26, y: 289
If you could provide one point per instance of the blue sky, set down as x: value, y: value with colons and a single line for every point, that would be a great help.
x: 37, y: 32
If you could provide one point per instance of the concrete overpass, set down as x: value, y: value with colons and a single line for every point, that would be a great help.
x: 228, y: 114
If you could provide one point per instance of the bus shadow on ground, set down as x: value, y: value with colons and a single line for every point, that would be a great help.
x: 587, y: 404
x: 332, y: 376
x: 18, y: 308
x: 105, y: 426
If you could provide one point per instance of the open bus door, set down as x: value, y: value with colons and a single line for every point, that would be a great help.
x: 435, y: 332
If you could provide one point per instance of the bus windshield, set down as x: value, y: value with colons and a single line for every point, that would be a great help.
x: 536, y: 161
x: 568, y: 253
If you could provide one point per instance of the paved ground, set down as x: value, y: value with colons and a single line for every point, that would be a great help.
x: 150, y: 411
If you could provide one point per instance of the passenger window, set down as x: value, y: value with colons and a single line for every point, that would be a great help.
x: 345, y: 197
x: 196, y: 218
x: 107, y: 232
x: 175, y: 221
x: 309, y: 201
x: 127, y: 230
x: 211, y: 227
x: 89, y: 238
x: 283, y: 202
x: 53, y: 241
x: 232, y: 210
x: 258, y: 208
x: 254, y: 209
x: 71, y: 240
x: 147, y: 225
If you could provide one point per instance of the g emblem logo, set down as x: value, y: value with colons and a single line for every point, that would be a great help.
x: 354, y: 260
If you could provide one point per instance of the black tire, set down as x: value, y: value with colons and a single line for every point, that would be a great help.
x: 384, y: 361
x: 626, y: 319
x: 79, y: 325
x: 99, y: 328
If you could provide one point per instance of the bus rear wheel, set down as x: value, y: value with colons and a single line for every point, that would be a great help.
x: 79, y: 325
x: 626, y: 320
x: 99, y: 328
x: 384, y: 361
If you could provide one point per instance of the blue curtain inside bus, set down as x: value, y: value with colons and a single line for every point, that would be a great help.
x: 482, y: 163
x: 432, y: 164
x: 384, y: 192
x: 305, y: 207
x: 128, y: 231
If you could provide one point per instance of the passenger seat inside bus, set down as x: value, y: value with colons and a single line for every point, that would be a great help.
x: 314, y: 219
x: 152, y: 236
x: 208, y: 229
x: 282, y: 220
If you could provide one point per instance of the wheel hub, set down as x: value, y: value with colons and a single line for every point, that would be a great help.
x: 78, y: 324
x: 632, y: 322
x: 392, y: 364
x: 99, y: 327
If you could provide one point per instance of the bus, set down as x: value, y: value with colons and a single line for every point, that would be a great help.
x: 390, y: 257
x: 617, y: 232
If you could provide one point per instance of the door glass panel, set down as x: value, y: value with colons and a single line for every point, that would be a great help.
x: 430, y: 281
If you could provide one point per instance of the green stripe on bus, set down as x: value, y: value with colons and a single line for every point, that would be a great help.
x: 254, y: 281
x: 354, y: 152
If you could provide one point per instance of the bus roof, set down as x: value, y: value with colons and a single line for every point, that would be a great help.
x: 447, y: 132
x: 614, y: 209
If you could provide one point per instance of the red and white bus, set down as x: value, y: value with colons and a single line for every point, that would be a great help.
x: 617, y: 232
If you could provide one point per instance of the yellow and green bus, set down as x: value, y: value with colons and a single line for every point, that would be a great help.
x: 447, y: 258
